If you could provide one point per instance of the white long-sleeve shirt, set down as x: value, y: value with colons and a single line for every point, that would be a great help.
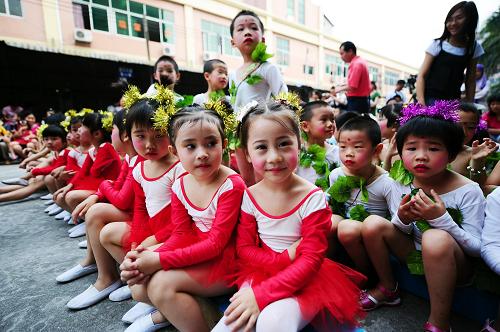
x: 490, y: 239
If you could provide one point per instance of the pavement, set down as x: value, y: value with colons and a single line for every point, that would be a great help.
x: 35, y: 248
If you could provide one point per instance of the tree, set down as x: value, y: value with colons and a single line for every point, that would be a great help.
x: 490, y: 39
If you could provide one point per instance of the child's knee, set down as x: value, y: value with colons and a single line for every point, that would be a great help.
x: 161, y: 287
x: 139, y: 293
x: 373, y: 225
x: 437, y: 244
x: 106, y: 235
x: 349, y: 231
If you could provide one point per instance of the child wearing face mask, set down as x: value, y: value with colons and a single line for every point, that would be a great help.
x: 166, y: 73
x: 215, y: 73
x: 439, y: 218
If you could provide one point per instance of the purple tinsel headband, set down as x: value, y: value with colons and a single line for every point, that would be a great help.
x: 482, y: 126
x: 442, y: 109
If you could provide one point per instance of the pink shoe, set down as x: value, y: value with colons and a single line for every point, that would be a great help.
x: 428, y: 327
x: 369, y: 303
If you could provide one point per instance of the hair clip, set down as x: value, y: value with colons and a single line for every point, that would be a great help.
x: 442, y: 109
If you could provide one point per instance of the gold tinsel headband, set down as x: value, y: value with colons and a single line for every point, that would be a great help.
x: 223, y: 109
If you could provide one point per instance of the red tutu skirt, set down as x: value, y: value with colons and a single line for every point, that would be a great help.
x: 87, y: 183
x: 330, y: 301
x: 218, y: 268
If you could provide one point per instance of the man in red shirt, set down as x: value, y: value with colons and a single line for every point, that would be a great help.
x: 358, y: 79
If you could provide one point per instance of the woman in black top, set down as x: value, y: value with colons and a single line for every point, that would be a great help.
x: 442, y: 72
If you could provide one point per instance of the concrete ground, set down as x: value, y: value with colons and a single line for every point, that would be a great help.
x: 35, y: 248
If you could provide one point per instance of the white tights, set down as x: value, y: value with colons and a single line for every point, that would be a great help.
x: 282, y: 315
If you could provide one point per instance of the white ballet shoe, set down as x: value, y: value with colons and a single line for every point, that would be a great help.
x: 79, y: 230
x: 55, y: 211
x: 76, y: 272
x: 67, y: 218
x: 91, y: 296
x: 82, y: 244
x: 46, y: 197
x: 50, y: 207
x: 145, y: 324
x: 16, y: 181
x: 121, y: 294
x: 49, y: 202
x: 63, y: 215
x: 137, y: 311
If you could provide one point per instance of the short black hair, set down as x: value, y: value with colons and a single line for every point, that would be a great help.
x: 55, y: 118
x: 470, y: 108
x: 75, y: 120
x: 450, y: 133
x: 54, y: 130
x: 493, y: 97
x: 167, y: 59
x: 343, y: 118
x: 245, y: 13
x: 209, y: 65
x: 348, y: 46
x: 140, y: 114
x: 374, y: 84
x: 93, y: 121
x: 118, y: 121
x: 397, y: 98
x: 364, y: 123
x: 308, y: 109
x: 401, y: 82
x: 392, y: 113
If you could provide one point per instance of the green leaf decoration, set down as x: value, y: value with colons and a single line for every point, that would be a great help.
x: 399, y: 173
x: 415, y: 263
x: 254, y: 79
x: 322, y: 182
x: 340, y: 191
x: 364, y: 191
x: 216, y: 95
x: 337, y: 207
x: 185, y: 101
x: 259, y: 53
x: 233, y: 142
x: 422, y: 225
x: 232, y: 92
x: 491, y: 162
x: 358, y: 213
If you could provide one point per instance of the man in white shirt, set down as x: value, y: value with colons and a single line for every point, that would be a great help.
x: 398, y: 91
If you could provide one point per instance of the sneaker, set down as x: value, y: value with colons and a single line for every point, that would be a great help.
x: 82, y: 244
x: 137, y: 311
x: 48, y: 202
x: 91, y: 296
x: 16, y: 181
x: 145, y: 324
x: 62, y: 215
x: 79, y: 230
x: 76, y: 272
x: 47, y: 197
x: 55, y: 211
x: 121, y: 294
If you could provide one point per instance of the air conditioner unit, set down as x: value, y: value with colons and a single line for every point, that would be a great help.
x: 169, y: 49
x: 207, y: 56
x: 82, y: 35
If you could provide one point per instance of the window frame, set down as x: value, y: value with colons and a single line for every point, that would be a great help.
x: 8, y: 12
x: 282, y: 53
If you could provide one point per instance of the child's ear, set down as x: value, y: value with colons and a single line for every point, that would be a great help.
x: 378, y: 149
x: 172, y: 150
x: 206, y: 75
x: 177, y: 77
x: 247, y: 155
x: 124, y: 137
x: 304, y: 126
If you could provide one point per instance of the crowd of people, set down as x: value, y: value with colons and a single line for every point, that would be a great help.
x: 290, y: 208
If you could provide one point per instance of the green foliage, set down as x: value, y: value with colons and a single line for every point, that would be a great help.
x: 259, y: 53
x: 254, y: 79
x: 422, y: 225
x: 216, y: 95
x: 490, y: 40
x: 232, y: 92
x: 185, y: 101
x: 358, y: 213
x: 415, y: 263
x: 399, y: 173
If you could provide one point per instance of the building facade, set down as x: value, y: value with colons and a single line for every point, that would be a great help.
x: 139, y: 31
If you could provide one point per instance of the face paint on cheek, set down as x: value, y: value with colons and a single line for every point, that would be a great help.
x: 139, y: 146
x: 293, y: 161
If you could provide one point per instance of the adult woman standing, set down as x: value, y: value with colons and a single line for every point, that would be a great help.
x: 442, y: 71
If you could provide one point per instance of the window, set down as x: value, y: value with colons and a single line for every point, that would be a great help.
x: 11, y: 7
x: 296, y: 9
x: 125, y: 17
x: 216, y: 38
x: 282, y: 51
x: 308, y: 69
x: 391, y: 78
x: 335, y: 66
x: 373, y: 73
x: 290, y: 8
x: 330, y: 61
x: 301, y: 11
